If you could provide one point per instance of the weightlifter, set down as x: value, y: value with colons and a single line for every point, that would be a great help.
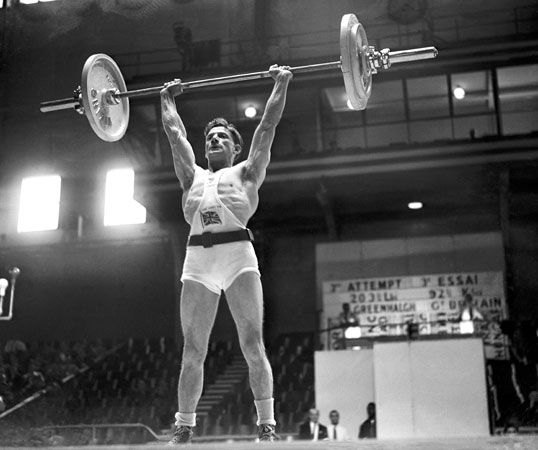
x: 217, y: 203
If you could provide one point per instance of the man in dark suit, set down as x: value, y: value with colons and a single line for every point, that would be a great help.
x: 368, y: 427
x: 312, y: 430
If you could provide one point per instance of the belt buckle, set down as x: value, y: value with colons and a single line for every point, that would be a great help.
x: 250, y: 235
x: 207, y: 240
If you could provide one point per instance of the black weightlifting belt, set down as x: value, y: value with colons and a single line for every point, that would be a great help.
x: 209, y: 239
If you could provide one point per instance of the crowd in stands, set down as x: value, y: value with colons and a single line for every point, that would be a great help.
x: 100, y: 383
x: 25, y: 368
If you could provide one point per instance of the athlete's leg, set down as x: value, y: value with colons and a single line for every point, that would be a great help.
x: 198, y: 309
x: 245, y: 299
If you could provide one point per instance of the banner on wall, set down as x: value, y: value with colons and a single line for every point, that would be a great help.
x: 384, y: 306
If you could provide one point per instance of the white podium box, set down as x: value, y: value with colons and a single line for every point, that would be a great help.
x: 431, y: 388
x: 422, y: 389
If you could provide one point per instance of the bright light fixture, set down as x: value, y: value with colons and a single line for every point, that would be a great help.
x: 415, y: 205
x: 39, y: 205
x: 466, y: 327
x: 352, y: 333
x: 459, y: 93
x: 120, y: 207
x: 250, y: 112
x: 3, y: 286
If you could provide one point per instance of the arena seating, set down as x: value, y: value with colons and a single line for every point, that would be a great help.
x: 135, y: 381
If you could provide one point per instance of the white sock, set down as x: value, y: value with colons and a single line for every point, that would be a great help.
x: 188, y: 419
x: 265, y: 410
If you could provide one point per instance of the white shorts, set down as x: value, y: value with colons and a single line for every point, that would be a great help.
x: 217, y: 267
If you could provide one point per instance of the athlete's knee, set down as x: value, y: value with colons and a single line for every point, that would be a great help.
x: 193, y: 354
x: 253, y: 348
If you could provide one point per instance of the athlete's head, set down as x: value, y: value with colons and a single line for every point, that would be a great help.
x: 223, y: 143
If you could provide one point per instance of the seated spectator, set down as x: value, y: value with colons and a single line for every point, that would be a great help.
x: 311, y: 429
x: 34, y: 381
x: 15, y: 346
x: 336, y: 431
x: 367, y: 429
x: 109, y: 437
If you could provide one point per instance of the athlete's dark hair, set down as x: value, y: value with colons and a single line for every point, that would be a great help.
x: 220, y: 122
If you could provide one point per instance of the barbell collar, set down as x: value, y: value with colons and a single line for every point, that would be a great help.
x: 57, y: 105
x: 414, y: 54
x: 64, y: 103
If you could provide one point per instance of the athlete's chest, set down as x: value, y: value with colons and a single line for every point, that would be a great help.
x: 227, y: 188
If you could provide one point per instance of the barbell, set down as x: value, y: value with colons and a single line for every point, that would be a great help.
x: 103, y: 96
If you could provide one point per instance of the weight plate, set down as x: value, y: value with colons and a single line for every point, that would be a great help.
x: 99, y: 75
x: 355, y: 64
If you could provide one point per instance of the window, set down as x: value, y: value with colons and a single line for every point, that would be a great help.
x: 478, y: 97
x: 120, y: 207
x: 474, y: 111
x: 428, y: 97
x: 387, y: 103
x: 39, y: 206
x: 518, y: 95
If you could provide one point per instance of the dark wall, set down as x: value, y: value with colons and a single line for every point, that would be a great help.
x: 522, y: 263
x: 289, y: 281
x: 109, y: 290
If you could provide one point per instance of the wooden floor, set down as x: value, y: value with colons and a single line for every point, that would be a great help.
x: 519, y: 442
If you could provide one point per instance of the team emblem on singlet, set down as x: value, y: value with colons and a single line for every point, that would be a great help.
x: 210, y: 217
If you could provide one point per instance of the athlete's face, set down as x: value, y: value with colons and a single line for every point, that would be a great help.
x: 220, y: 149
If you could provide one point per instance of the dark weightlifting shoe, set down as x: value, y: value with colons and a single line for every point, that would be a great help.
x: 182, y: 435
x: 267, y: 432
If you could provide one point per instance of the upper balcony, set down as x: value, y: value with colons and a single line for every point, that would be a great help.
x: 413, y: 117
x: 484, y: 49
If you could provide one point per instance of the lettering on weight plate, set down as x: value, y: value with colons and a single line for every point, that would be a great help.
x: 106, y: 121
x: 111, y: 82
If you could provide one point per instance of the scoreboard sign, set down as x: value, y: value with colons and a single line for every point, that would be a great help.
x: 384, y: 306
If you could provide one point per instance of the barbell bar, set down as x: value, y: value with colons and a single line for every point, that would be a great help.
x: 103, y: 95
